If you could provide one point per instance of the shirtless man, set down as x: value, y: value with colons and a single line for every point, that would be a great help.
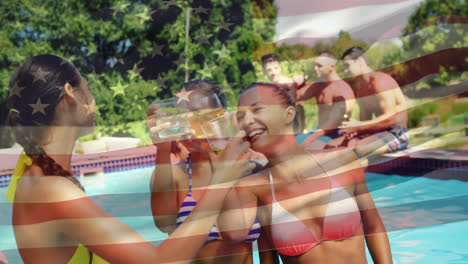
x: 335, y: 100
x: 272, y: 69
x: 383, y: 112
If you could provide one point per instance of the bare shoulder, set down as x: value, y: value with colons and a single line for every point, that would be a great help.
x: 342, y: 89
x: 382, y: 81
x: 254, y: 183
x: 180, y: 174
x: 38, y: 187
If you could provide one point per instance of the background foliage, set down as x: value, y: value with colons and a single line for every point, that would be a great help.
x: 131, y: 52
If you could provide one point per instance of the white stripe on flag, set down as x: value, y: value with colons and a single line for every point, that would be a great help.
x: 327, y: 24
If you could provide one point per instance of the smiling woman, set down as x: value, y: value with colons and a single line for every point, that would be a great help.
x: 258, y: 105
x: 312, y: 208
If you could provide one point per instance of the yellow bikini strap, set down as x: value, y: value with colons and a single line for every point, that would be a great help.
x: 23, y: 161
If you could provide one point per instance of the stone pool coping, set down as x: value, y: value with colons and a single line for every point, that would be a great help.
x: 117, y: 160
x: 416, y: 161
x: 410, y: 161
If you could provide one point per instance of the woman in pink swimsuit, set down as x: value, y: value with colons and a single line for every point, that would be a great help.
x: 315, y: 207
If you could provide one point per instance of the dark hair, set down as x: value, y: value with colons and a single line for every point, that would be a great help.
x: 207, y: 87
x: 356, y: 52
x: 269, y: 58
x: 39, y: 78
x: 285, y: 98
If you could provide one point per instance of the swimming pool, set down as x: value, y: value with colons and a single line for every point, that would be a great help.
x: 426, y: 218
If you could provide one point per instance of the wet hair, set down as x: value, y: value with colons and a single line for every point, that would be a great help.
x: 270, y: 57
x: 206, y: 87
x: 284, y: 96
x: 39, y: 78
x: 356, y: 52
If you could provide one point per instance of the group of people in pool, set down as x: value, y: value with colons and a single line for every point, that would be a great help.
x: 306, y: 205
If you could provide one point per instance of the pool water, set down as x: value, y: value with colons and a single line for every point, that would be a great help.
x: 426, y: 219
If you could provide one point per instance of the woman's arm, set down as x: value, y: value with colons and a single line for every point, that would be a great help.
x: 374, y: 229
x: 162, y: 185
x: 67, y: 210
x: 61, y: 208
x: 239, y: 212
x: 163, y: 189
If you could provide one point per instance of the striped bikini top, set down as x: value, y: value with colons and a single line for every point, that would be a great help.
x: 189, y: 204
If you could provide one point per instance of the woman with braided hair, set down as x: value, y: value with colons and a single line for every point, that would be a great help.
x: 54, y: 221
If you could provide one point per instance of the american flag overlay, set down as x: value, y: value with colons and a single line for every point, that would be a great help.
x: 233, y: 131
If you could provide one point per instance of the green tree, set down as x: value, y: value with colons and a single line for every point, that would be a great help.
x: 383, y: 54
x: 437, y: 25
x: 132, y: 51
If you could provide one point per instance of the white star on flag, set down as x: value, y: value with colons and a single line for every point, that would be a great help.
x: 135, y: 72
x: 16, y: 90
x: 223, y: 53
x: 183, y: 95
x: 61, y: 89
x: 38, y: 106
x: 179, y: 61
x: 161, y: 81
x: 224, y: 25
x: 204, y: 38
x: 200, y: 9
x: 40, y: 75
x: 151, y: 13
x: 206, y: 72
x: 118, y: 89
x: 157, y: 50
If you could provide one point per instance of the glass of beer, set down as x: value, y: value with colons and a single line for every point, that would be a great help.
x: 220, y: 130
x: 172, y: 118
x: 202, y: 110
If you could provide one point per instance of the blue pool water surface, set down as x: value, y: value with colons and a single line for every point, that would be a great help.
x: 426, y: 219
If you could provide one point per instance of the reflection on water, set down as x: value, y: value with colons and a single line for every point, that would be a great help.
x: 426, y: 218
x: 436, y: 244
